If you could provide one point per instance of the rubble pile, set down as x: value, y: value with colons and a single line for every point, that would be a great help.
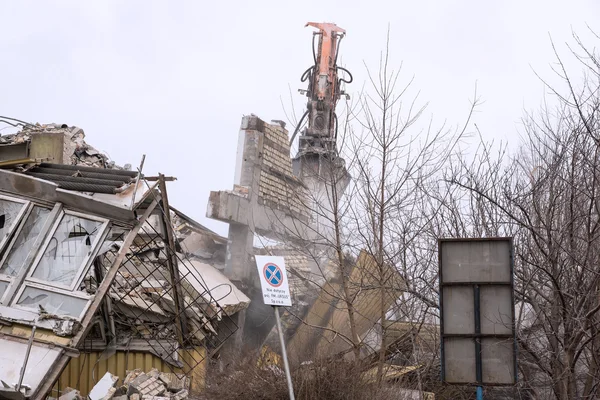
x: 144, y: 303
x: 75, y: 150
x: 137, y: 385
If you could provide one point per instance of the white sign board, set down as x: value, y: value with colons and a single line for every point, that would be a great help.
x: 273, y: 280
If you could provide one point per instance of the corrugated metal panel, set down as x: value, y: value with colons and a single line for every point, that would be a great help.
x: 84, y: 372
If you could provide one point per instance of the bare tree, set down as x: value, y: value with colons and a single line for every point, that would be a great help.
x: 547, y: 197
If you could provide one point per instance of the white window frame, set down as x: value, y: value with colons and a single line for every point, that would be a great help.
x: 77, y: 294
x: 14, y: 230
x: 26, y: 206
x: 25, y: 278
x: 84, y: 265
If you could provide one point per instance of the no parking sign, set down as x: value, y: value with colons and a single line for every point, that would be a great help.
x: 273, y: 280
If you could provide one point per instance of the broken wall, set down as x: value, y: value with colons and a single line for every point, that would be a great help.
x: 278, y: 187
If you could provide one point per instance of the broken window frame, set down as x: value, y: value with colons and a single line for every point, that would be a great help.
x: 17, y: 281
x: 85, y: 265
x: 25, y: 206
x: 9, y: 239
x: 24, y: 279
x: 77, y: 294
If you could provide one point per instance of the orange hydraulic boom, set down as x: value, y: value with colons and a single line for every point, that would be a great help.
x: 323, y: 91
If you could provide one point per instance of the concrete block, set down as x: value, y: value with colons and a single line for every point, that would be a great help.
x: 109, y: 395
x: 146, y: 385
x: 181, y: 395
x: 131, y: 375
x: 165, y: 378
x: 121, y: 390
x: 70, y: 394
x: 178, y: 382
x: 153, y: 373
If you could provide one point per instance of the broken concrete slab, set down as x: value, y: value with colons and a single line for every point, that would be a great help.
x: 131, y: 375
x: 181, y: 395
x: 165, y: 379
x: 70, y: 394
x: 105, y: 388
x: 177, y: 382
x: 153, y: 373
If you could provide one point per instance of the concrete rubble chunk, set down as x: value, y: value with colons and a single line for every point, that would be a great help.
x: 70, y: 394
x: 121, y: 390
x: 146, y: 385
x: 105, y: 388
x: 177, y: 382
x: 137, y: 385
x: 182, y: 394
x: 154, y: 373
x: 165, y: 378
x: 110, y: 394
x: 131, y: 375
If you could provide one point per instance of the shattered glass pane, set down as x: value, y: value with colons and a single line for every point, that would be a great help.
x: 24, y: 243
x: 50, y: 302
x: 3, y: 286
x: 68, y: 248
x: 9, y: 210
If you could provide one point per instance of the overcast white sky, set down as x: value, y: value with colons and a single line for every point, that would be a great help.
x: 172, y: 79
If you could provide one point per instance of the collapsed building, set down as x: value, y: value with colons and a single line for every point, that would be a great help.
x: 100, y: 276
x: 291, y: 201
x: 95, y: 271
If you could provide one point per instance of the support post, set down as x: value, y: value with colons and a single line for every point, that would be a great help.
x: 286, y: 365
x: 181, y: 320
x: 478, y: 368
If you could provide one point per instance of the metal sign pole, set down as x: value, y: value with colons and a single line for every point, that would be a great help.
x: 479, y: 392
x: 288, y: 376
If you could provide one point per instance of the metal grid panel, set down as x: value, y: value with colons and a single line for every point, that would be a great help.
x: 142, y: 302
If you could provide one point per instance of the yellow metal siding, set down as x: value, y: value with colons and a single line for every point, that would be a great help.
x: 84, y: 372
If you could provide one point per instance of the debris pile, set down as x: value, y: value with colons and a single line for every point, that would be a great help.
x: 137, y: 385
x: 75, y: 150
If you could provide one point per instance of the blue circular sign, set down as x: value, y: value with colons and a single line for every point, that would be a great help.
x: 273, y: 274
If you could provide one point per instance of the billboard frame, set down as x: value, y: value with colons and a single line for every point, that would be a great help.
x: 477, y: 336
